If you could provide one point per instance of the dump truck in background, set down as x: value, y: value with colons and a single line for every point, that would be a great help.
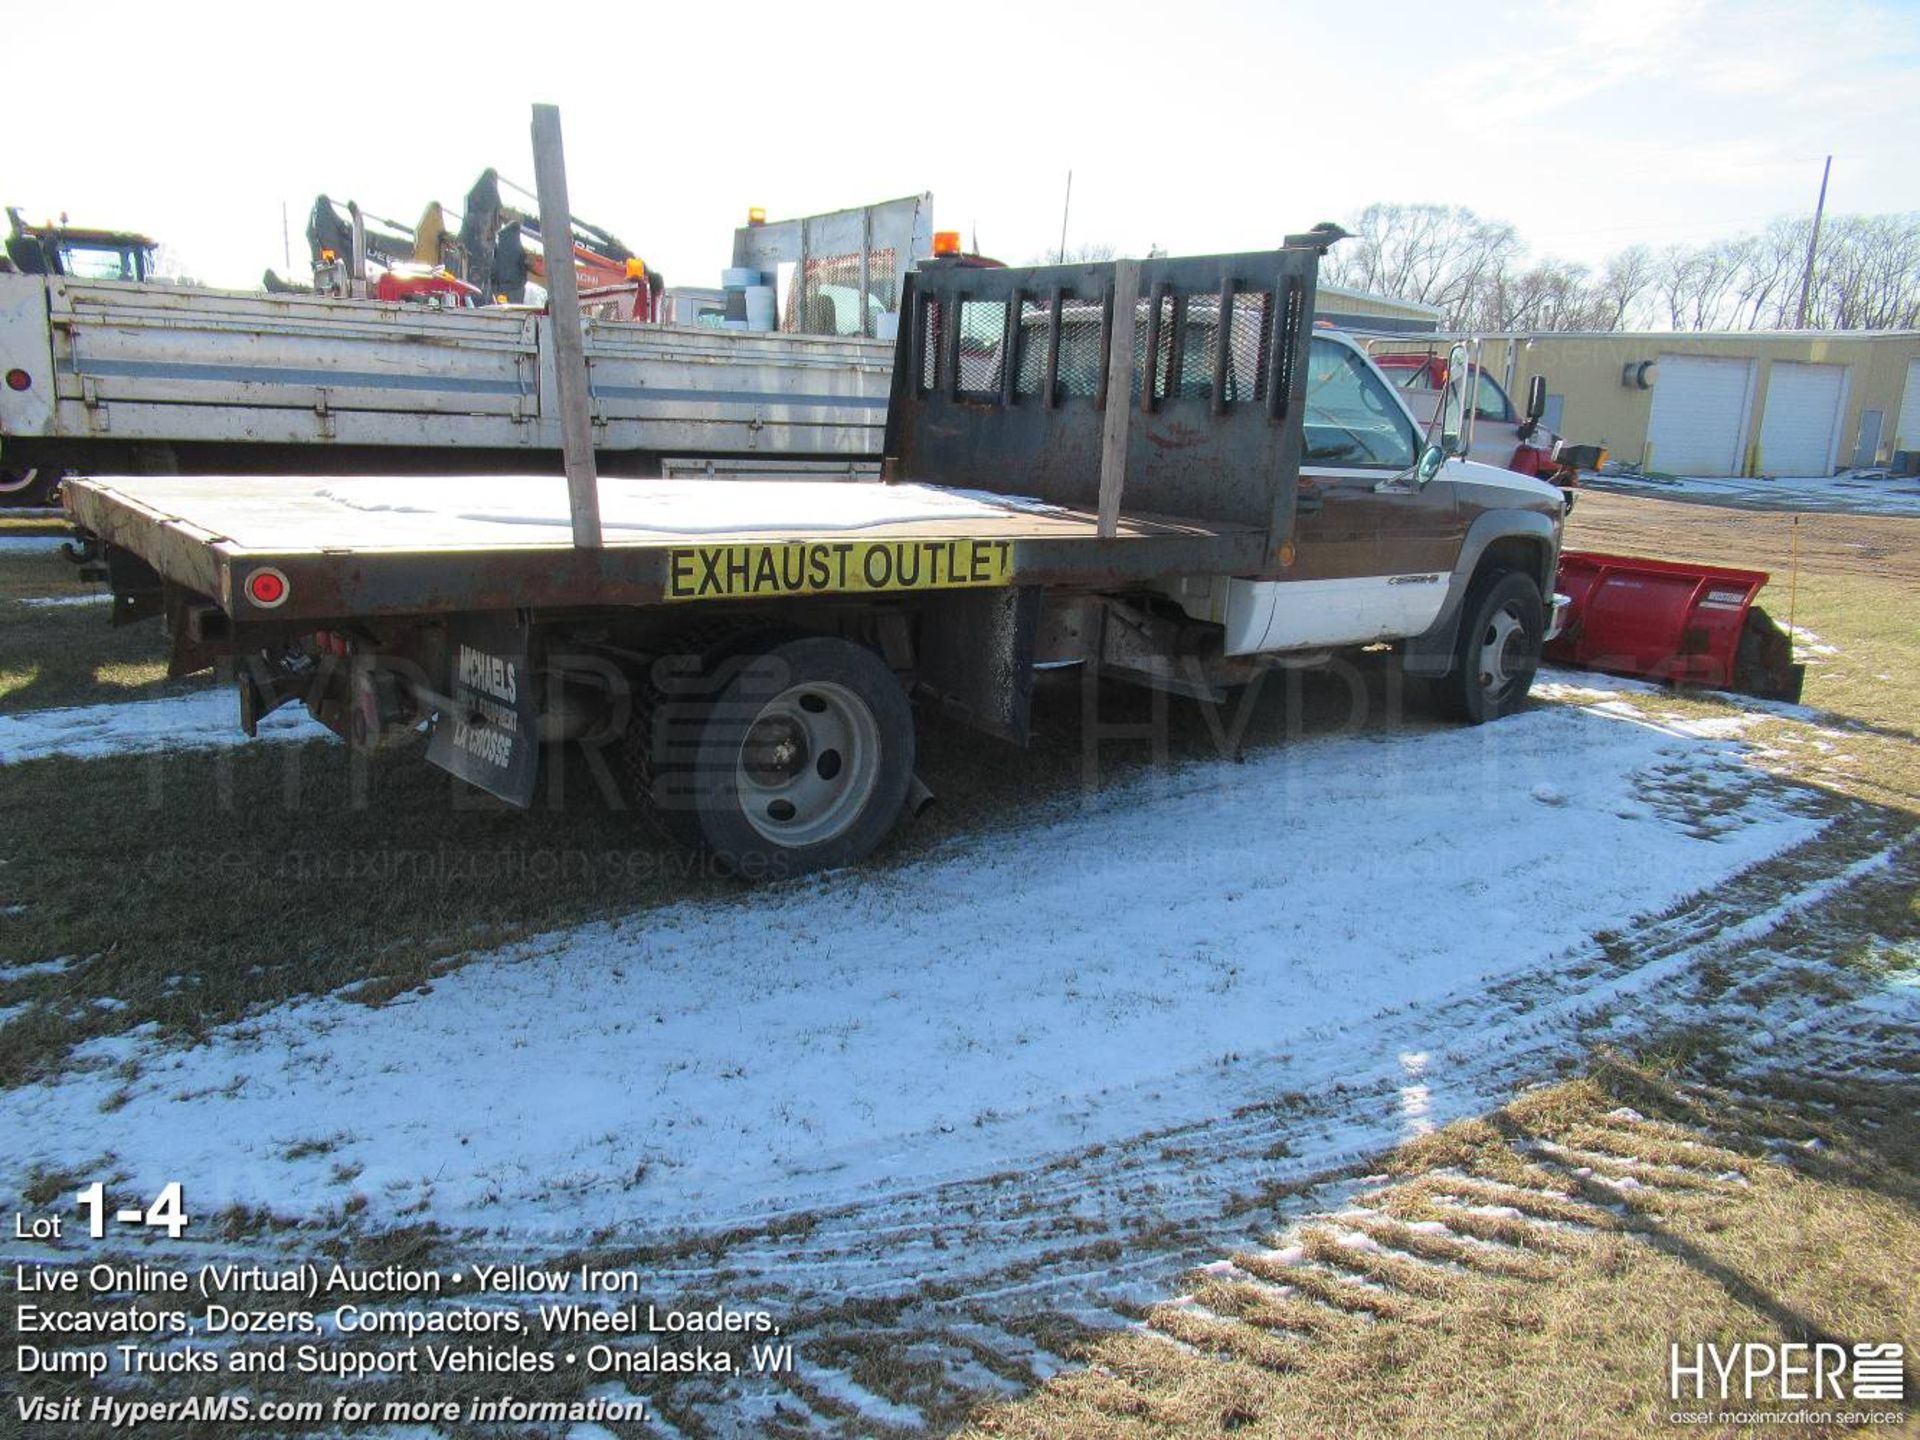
x: 131, y: 378
x: 81, y: 252
x: 1161, y: 469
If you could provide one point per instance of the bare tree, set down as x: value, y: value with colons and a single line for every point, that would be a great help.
x: 1693, y: 282
x: 1620, y: 289
x: 1434, y: 254
x: 1766, y: 287
x: 1866, y: 275
x: 1091, y: 252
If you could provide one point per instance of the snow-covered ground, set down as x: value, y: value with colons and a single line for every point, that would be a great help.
x: 57, y: 602
x: 1334, y: 913
x: 208, y: 720
x: 1857, y: 493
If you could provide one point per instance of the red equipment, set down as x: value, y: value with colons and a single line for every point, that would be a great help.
x: 1686, y: 624
x: 434, y: 286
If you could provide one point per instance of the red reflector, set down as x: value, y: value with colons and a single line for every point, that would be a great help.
x: 266, y: 588
x: 19, y: 380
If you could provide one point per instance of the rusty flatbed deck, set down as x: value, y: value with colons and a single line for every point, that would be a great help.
x: 397, y: 546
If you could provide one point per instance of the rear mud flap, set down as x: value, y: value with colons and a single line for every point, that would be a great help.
x: 976, y: 657
x: 487, y: 732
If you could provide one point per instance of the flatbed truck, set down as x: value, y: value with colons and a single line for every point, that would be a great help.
x: 1160, y: 468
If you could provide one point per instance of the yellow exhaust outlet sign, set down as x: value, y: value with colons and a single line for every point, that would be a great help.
x: 835, y: 567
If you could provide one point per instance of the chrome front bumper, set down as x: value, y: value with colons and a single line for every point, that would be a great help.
x: 1557, y: 615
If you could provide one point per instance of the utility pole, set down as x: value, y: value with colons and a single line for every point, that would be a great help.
x: 1065, y: 206
x: 1813, y: 245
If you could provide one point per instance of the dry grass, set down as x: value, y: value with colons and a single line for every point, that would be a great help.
x: 1857, y: 588
x: 1814, y: 1251
x: 52, y: 656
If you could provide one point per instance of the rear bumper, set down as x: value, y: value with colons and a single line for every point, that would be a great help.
x: 1557, y: 608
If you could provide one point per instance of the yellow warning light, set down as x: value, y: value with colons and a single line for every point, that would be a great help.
x: 327, y: 257
x: 636, y: 268
x: 756, y: 216
x: 946, y: 242
x: 1286, y: 554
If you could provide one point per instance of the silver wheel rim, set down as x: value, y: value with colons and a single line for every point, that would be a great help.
x: 13, y: 483
x: 808, y: 764
x: 1500, y: 662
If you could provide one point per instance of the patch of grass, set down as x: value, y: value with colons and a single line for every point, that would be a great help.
x: 204, y: 885
x: 317, y: 1145
x: 60, y: 655
x: 39, y: 573
x: 1849, y: 579
x: 125, y: 675
x: 14, y: 523
x: 1816, y: 1251
x: 44, y: 1186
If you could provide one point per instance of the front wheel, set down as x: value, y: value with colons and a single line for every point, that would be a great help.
x: 794, y: 758
x: 1501, y: 633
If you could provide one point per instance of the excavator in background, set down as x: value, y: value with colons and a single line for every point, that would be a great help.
x: 491, y: 258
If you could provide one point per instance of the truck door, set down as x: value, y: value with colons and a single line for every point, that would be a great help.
x: 1372, y: 548
x: 1496, y: 424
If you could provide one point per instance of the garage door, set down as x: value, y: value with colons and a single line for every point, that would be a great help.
x: 1906, y: 424
x: 1802, y: 418
x: 1699, y: 414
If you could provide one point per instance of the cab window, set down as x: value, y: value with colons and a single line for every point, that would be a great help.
x: 1352, y: 418
x: 1489, y: 400
x: 92, y: 262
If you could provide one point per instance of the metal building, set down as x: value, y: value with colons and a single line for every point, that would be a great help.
x: 1729, y: 403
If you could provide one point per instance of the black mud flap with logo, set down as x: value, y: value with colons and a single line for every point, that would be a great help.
x: 488, y: 732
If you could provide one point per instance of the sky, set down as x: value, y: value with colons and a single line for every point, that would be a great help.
x: 1197, y: 127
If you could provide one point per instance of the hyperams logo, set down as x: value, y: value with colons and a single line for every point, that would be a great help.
x: 1860, y: 1384
x: 830, y: 567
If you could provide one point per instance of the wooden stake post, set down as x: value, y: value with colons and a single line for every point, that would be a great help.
x: 563, y: 311
x: 1113, y: 437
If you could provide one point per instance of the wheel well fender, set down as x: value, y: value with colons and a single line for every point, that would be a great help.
x: 1497, y: 540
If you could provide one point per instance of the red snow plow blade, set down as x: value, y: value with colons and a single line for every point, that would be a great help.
x: 1684, y: 624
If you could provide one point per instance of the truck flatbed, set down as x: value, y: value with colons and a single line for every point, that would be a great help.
x: 1067, y: 449
x: 420, y: 545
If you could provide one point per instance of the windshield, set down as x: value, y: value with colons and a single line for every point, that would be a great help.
x: 1352, y: 417
x: 87, y: 262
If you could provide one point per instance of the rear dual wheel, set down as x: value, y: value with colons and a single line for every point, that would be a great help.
x: 776, y: 756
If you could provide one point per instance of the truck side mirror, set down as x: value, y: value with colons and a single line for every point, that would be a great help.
x: 1536, y: 397
x: 1431, y: 459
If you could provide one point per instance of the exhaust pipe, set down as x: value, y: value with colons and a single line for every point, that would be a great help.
x: 919, y: 797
